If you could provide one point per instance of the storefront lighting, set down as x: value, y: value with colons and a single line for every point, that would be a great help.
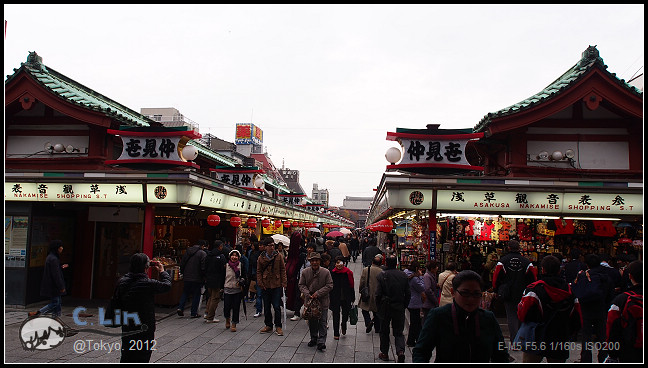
x: 393, y: 155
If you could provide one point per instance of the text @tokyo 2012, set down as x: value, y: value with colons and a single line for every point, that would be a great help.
x: 558, y: 345
x: 83, y: 346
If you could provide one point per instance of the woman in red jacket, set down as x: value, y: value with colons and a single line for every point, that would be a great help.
x: 342, y: 296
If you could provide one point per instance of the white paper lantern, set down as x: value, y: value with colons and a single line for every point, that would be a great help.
x: 189, y: 153
x: 258, y: 182
x: 393, y: 155
x: 557, y: 156
x: 59, y: 147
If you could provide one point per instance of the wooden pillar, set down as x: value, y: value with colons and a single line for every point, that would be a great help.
x: 149, y: 230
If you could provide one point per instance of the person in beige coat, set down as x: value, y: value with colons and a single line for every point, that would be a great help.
x: 371, y: 306
x: 316, y: 282
x: 271, y: 278
x: 445, y: 283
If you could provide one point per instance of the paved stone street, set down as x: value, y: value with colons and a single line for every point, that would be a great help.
x: 186, y: 340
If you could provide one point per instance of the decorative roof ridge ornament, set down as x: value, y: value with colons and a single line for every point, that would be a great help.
x: 590, y: 55
x: 34, y: 61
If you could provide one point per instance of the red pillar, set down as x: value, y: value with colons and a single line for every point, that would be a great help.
x: 149, y: 230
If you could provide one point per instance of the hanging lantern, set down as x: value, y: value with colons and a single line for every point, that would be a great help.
x: 301, y: 224
x: 213, y: 220
x: 252, y: 222
x: 235, y: 221
x: 384, y: 225
x: 295, y: 224
x: 278, y: 223
x: 287, y: 224
x: 265, y: 223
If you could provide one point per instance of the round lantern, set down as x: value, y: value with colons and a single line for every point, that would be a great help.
x: 213, y: 220
x: 278, y: 223
x: 301, y: 224
x: 189, y: 153
x: 393, y: 155
x: 384, y: 225
x: 265, y: 223
x: 235, y: 221
x: 252, y: 222
x: 287, y: 224
x: 295, y: 224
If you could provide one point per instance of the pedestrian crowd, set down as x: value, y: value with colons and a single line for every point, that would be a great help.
x: 547, y: 305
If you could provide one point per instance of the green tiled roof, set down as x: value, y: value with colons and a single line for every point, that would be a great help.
x: 590, y: 59
x: 203, y: 150
x: 77, y: 93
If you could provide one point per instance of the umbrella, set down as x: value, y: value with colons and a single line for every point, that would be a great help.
x: 278, y: 238
x: 334, y: 234
x: 345, y: 231
x: 284, y: 305
x: 314, y: 229
x: 244, y: 287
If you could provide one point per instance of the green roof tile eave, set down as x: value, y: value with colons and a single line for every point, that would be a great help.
x: 567, y: 79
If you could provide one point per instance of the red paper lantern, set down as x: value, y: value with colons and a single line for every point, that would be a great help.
x: 278, y: 223
x: 287, y: 224
x: 295, y: 224
x: 213, y: 220
x: 265, y: 223
x: 252, y: 222
x: 235, y: 221
x: 301, y: 224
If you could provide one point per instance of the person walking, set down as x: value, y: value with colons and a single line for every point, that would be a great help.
x: 334, y: 251
x: 445, y: 283
x: 214, y: 279
x: 341, y: 296
x: 254, y: 259
x: 392, y: 298
x: 316, y: 282
x: 573, y: 265
x: 550, y: 303
x: 512, y: 274
x: 369, y: 276
x: 271, y: 278
x: 620, y: 330
x: 594, y: 291
x: 417, y: 295
x: 234, y: 286
x: 192, y: 268
x: 345, y: 250
x: 461, y: 331
x: 293, y: 267
x: 354, y: 246
x: 370, y: 252
x: 432, y: 292
x: 52, y: 283
x: 136, y: 293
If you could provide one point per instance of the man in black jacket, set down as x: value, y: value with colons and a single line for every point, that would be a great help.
x: 370, y: 252
x: 594, y: 291
x: 52, y: 284
x: 392, y: 298
x: 137, y: 295
x: 214, y: 279
x: 512, y: 274
x: 192, y: 268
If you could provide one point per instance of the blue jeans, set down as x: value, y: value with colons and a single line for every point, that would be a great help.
x: 54, y: 307
x: 272, y: 300
x: 191, y: 288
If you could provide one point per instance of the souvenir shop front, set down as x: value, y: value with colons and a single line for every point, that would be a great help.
x: 459, y: 218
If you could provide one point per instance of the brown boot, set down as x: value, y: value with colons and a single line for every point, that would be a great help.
x: 233, y: 329
x: 227, y: 323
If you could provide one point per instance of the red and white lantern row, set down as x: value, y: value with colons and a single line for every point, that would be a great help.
x: 265, y: 223
x: 235, y: 221
x: 213, y: 220
x: 251, y: 222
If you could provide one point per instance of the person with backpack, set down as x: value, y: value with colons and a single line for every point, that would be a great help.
x: 594, y: 289
x: 512, y: 274
x: 625, y: 320
x: 549, y: 303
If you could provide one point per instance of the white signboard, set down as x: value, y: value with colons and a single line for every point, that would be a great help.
x: 75, y: 192
x: 539, y: 202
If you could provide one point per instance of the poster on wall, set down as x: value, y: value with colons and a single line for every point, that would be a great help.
x: 16, y: 241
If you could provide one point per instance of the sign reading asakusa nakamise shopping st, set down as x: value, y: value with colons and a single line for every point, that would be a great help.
x: 540, y: 202
x: 74, y: 192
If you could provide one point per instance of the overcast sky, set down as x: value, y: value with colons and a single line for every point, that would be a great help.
x: 325, y: 83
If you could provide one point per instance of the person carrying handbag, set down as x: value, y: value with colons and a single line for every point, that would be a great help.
x: 316, y: 282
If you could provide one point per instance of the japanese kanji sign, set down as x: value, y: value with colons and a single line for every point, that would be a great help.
x: 153, y: 147
x: 440, y: 151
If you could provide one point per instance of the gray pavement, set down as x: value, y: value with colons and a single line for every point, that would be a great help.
x: 186, y: 340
